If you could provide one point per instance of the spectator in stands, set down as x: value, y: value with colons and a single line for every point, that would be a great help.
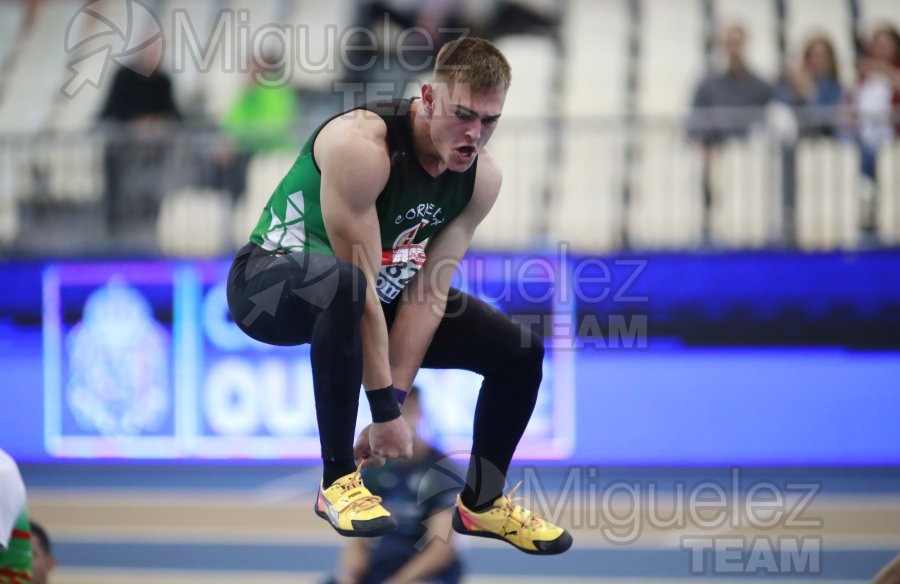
x: 813, y: 88
x: 876, y: 103
x: 42, y: 554
x: 421, y: 496
x: 262, y: 119
x: 141, y: 92
x: 877, y: 94
x: 727, y: 103
x: 141, y: 111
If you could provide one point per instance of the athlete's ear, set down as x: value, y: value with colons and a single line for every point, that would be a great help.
x: 428, y: 97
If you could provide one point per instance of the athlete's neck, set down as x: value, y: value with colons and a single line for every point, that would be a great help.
x: 423, y: 147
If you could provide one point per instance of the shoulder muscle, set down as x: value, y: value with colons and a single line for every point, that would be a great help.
x: 351, y: 152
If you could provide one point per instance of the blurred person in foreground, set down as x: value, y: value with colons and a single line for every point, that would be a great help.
x: 421, y: 493
x: 355, y: 253
x: 813, y: 88
x: 727, y: 103
x: 262, y: 119
x: 42, y: 554
x: 15, y: 532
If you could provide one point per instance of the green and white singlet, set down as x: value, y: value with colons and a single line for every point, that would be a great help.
x: 412, y: 208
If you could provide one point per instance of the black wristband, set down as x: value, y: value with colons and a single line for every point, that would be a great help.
x: 383, y: 404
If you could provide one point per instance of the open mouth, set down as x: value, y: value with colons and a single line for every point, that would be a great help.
x: 466, y: 152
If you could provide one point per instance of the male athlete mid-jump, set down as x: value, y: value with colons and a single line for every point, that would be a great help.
x: 359, y: 243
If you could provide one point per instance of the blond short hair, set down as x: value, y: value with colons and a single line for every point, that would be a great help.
x: 475, y: 62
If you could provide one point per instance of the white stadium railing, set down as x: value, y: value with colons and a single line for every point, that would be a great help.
x: 599, y: 183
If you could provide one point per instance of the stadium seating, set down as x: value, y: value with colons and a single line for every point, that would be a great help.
x: 9, y: 215
x: 229, y: 71
x: 190, y: 85
x: 665, y: 83
x: 587, y: 205
x: 889, y: 194
x: 595, y: 65
x: 586, y: 209
x: 523, y: 144
x: 592, y: 140
x: 190, y: 223
x: 320, y: 27
x: 744, y: 177
x: 12, y: 15
x: 72, y: 167
x: 828, y: 194
x: 35, y: 76
x: 666, y: 205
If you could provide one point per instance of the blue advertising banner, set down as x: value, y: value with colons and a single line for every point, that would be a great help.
x: 142, y: 360
x: 661, y: 359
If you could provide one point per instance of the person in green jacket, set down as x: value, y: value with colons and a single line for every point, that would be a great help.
x: 262, y: 119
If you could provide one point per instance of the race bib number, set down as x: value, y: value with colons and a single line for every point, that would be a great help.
x: 398, y: 267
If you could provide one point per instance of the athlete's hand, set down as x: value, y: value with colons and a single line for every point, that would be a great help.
x: 363, y: 452
x: 392, y: 439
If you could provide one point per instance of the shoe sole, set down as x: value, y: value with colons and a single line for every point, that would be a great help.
x: 382, y: 528
x: 560, y: 544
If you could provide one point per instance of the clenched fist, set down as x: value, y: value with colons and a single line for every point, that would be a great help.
x: 378, y: 442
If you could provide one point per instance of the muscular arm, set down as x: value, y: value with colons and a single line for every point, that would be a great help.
x: 424, y: 302
x: 352, y: 156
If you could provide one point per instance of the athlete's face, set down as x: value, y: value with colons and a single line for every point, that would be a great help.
x: 461, y: 121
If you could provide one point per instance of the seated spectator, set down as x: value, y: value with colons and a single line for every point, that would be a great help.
x: 41, y: 554
x: 727, y: 103
x: 813, y: 88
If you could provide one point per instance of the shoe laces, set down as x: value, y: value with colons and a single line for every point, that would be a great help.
x: 529, y: 519
x: 363, y: 502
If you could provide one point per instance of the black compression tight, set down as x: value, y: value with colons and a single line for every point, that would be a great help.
x: 317, y: 299
x: 321, y: 301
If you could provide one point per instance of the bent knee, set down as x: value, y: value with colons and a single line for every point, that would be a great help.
x: 528, y: 355
x: 533, y: 349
